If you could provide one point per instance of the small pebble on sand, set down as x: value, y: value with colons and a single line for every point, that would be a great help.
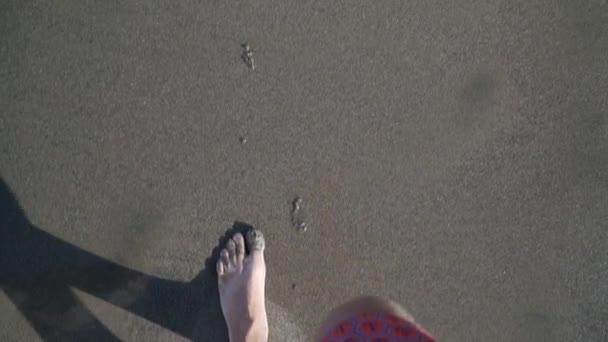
x: 298, y: 215
x: 247, y: 56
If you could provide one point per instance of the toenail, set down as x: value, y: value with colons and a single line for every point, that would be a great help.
x: 255, y: 240
x: 224, y: 254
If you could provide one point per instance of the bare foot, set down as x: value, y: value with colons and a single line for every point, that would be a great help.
x: 241, y: 280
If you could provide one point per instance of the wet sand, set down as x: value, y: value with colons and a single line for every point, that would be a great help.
x: 451, y: 156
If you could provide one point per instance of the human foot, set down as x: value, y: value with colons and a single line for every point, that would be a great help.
x: 241, y: 279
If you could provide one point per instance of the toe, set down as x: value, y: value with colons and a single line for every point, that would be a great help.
x: 239, y: 242
x: 220, y: 268
x: 231, y: 248
x: 255, y: 241
x: 225, y: 258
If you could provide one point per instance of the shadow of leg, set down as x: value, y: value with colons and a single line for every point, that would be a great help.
x: 37, y: 271
x: 55, y: 312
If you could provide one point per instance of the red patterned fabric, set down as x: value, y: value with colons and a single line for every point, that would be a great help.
x: 377, y: 327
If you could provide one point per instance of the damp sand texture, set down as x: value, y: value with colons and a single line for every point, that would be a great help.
x: 450, y: 155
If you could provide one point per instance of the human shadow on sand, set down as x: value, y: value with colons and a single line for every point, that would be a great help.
x: 38, y: 272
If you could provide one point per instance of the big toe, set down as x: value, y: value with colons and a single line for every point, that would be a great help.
x: 255, y: 241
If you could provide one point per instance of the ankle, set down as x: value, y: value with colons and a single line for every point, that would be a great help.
x: 249, y: 330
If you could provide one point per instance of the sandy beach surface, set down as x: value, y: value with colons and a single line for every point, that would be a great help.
x: 450, y: 155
